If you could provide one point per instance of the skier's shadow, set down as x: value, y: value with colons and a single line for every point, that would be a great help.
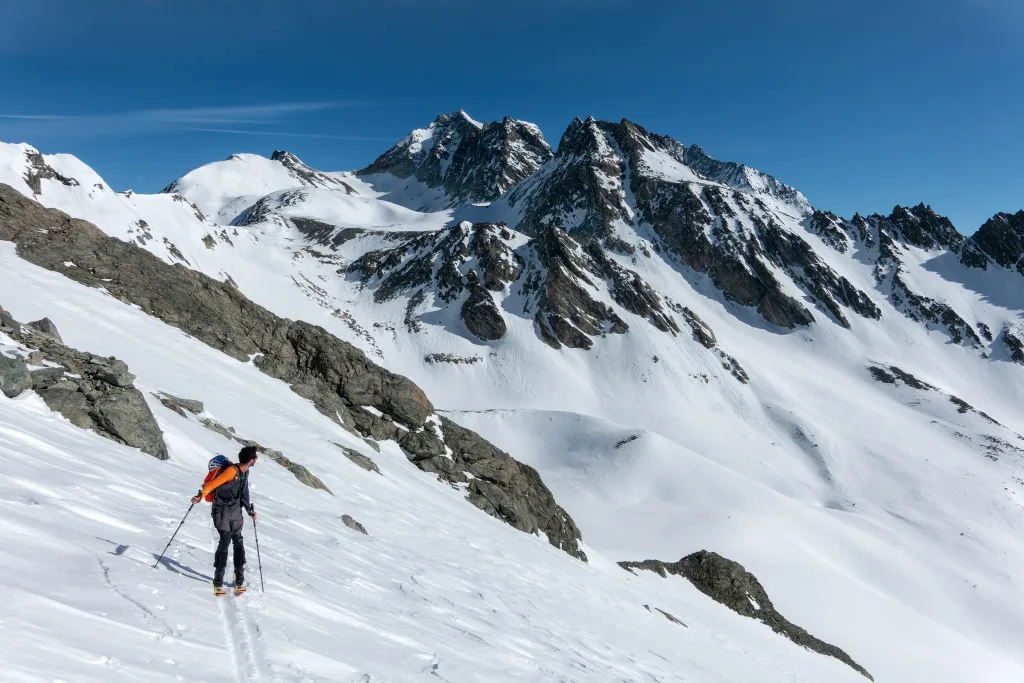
x: 167, y: 562
x: 183, y: 569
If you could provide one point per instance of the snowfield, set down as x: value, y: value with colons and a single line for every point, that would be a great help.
x: 882, y: 518
x: 438, y: 590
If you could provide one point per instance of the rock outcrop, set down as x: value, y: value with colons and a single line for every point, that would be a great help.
x: 469, y: 161
x: 14, y: 376
x: 91, y: 391
x: 727, y: 582
x: 337, y: 377
x: 352, y: 524
x: 1000, y: 240
x: 359, y: 459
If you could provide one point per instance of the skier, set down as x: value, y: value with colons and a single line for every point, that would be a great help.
x: 229, y: 493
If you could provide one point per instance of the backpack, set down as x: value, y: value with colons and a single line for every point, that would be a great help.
x: 216, y: 464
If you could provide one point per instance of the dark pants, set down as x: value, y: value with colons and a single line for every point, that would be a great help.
x: 228, y: 522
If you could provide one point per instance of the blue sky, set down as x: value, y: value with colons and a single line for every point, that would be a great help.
x: 861, y: 105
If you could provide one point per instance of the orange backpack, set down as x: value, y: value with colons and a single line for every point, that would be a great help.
x: 217, y: 465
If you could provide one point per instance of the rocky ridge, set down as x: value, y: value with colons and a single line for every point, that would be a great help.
x: 471, y: 162
x: 727, y: 582
x: 338, y: 378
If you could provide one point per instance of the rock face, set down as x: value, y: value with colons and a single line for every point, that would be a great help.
x: 1000, y: 240
x: 887, y: 239
x: 729, y: 583
x: 14, y: 376
x: 1013, y: 338
x: 337, y: 377
x: 438, y: 263
x: 38, y: 171
x: 503, y: 487
x: 611, y: 178
x: 558, y: 278
x: 471, y: 162
x: 91, y: 391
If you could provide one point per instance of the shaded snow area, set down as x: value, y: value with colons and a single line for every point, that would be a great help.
x: 438, y: 590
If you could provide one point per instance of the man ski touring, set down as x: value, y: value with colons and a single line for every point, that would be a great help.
x: 228, y: 490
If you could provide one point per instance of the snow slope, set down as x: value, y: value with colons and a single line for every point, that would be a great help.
x: 871, y: 512
x: 437, y: 590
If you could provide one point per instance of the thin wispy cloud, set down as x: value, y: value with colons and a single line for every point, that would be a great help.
x: 236, y: 131
x: 160, y: 120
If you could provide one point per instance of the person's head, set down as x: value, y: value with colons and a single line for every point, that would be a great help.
x: 247, y: 456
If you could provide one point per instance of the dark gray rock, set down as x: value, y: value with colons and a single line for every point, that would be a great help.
x: 1014, y: 341
x: 359, y: 459
x: 8, y: 323
x: 92, y: 392
x: 111, y: 371
x: 481, y: 314
x: 504, y: 487
x: 727, y: 582
x: 14, y: 376
x: 180, y: 405
x: 46, y: 326
x: 999, y: 240
x: 470, y: 163
x: 559, y: 291
x: 300, y: 472
x: 334, y: 375
x: 218, y: 428
x: 354, y: 525
x: 46, y: 377
x: 38, y: 171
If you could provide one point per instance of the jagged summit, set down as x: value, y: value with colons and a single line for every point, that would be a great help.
x: 469, y: 162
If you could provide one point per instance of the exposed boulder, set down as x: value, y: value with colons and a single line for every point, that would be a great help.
x: 46, y: 326
x: 359, y: 459
x: 180, y: 405
x: 300, y: 472
x: 727, y: 582
x: 14, y: 376
x: 354, y: 525
x: 7, y: 323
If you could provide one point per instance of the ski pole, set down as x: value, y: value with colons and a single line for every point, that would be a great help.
x: 259, y: 561
x: 173, y: 535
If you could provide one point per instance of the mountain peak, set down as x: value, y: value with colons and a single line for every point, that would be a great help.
x: 470, y: 161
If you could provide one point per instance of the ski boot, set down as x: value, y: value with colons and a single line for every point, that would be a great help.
x: 239, y: 582
x: 218, y: 581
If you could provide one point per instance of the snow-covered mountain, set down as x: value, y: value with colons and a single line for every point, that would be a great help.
x: 689, y: 353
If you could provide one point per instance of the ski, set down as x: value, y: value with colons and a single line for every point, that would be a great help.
x: 219, y: 590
